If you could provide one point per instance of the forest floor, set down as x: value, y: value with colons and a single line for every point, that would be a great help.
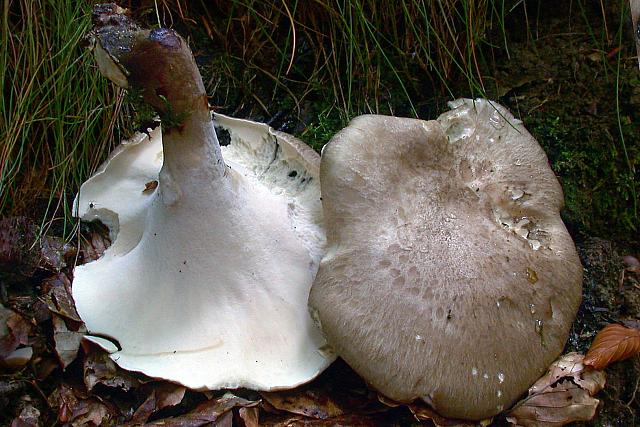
x: 575, y: 97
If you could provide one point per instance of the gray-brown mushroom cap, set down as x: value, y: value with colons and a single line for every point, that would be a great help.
x: 449, y: 274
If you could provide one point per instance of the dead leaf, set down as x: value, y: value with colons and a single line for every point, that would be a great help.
x: 93, y: 247
x: 19, y: 358
x: 23, y: 251
x: 53, y: 253
x: 29, y: 417
x: 100, y: 369
x: 563, y: 395
x: 336, y: 392
x: 67, y: 342
x: 250, y: 416
x: 570, y: 366
x: 58, y: 297
x: 217, y: 410
x: 348, y: 420
x: 613, y: 343
x: 162, y: 395
x: 307, y: 402
x: 14, y: 331
x: 75, y: 409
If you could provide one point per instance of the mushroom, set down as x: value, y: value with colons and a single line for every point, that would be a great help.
x: 206, y: 283
x: 449, y: 275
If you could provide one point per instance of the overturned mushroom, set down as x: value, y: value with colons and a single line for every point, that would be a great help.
x: 207, y: 280
x: 449, y: 275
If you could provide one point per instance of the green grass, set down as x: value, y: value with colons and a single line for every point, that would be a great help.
x: 359, y: 55
x: 317, y: 63
x: 56, y: 113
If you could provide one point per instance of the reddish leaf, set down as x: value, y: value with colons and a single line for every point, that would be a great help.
x: 150, y: 186
x: 614, y: 342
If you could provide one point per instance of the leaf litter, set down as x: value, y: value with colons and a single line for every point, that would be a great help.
x: 75, y: 383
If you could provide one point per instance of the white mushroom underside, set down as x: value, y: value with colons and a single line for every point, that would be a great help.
x: 214, y: 294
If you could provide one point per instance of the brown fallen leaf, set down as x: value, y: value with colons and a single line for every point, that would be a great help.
x: 216, y: 410
x: 67, y: 341
x: 563, y: 395
x: 14, y: 331
x: 100, y: 369
x: 250, y: 416
x: 18, y: 359
x: 76, y: 409
x: 613, y: 343
x: 162, y: 395
x: 93, y: 246
x: 56, y: 291
x: 308, y: 403
x: 338, y: 391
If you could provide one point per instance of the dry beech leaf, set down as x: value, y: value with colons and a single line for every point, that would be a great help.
x: 338, y: 391
x: 93, y: 246
x: 563, y: 395
x: 57, y: 295
x: 305, y: 403
x: 76, y: 409
x: 250, y: 416
x: 162, y: 395
x: 67, y: 341
x: 614, y: 342
x: 100, y: 369
x: 217, y: 411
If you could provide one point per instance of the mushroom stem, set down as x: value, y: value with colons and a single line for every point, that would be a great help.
x: 192, y: 158
x: 159, y: 64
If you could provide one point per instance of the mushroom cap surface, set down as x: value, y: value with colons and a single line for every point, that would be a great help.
x: 211, y: 294
x: 449, y: 275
